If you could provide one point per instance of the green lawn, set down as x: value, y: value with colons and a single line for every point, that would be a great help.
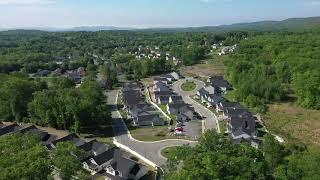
x: 168, y: 152
x: 222, y: 126
x: 188, y: 86
x: 150, y: 133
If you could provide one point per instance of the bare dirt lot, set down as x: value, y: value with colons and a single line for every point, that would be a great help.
x: 213, y: 65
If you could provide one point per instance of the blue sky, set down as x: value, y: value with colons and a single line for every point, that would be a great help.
x: 149, y: 13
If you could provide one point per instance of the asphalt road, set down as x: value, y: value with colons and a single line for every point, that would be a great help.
x: 210, y: 120
x: 149, y: 150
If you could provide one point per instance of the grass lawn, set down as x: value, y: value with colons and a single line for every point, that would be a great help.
x: 188, y: 86
x: 150, y: 133
x: 294, y: 123
x: 222, y: 126
x: 168, y: 152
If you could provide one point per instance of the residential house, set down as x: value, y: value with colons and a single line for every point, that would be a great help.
x: 241, y: 124
x: 222, y: 106
x: 93, y: 148
x: 160, y: 86
x: 100, y: 161
x: 182, y: 110
x: 169, y: 77
x: 147, y: 119
x: 213, y: 100
x: 220, y: 83
x: 155, y: 95
x: 175, y: 99
x: 131, y: 98
x: 210, y: 96
x: 175, y: 75
x: 9, y: 128
x: 135, y: 110
x: 73, y: 138
x: 43, y: 136
x: 113, y: 165
x: 160, y: 79
x: 163, y: 99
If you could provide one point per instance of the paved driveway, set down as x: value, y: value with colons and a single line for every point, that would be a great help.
x: 210, y: 120
x: 149, y: 150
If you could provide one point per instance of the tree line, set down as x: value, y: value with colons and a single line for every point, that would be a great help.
x: 216, y: 158
x: 23, y: 156
x: 273, y: 66
x: 55, y: 103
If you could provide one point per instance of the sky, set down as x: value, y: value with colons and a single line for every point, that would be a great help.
x: 148, y: 13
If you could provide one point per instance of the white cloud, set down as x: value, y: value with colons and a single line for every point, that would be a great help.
x: 26, y: 2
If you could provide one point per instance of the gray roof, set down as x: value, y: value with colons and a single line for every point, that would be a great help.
x: 131, y: 97
x: 247, y: 125
x: 163, y: 79
x: 167, y: 76
x: 147, y: 117
x: 143, y: 106
x: 164, y: 98
x: 176, y: 99
x: 34, y: 130
x: 219, y: 81
x: 94, y: 147
x: 227, y: 104
x: 72, y: 138
x: 177, y: 105
x: 234, y: 111
x: 203, y: 92
x: 163, y: 93
x: 102, y: 158
x: 216, y: 98
x: 9, y: 129
x: 161, y: 86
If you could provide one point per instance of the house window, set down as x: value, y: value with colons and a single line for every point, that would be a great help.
x: 246, y: 125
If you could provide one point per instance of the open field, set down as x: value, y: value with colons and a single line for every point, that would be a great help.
x: 294, y: 123
x: 212, y: 65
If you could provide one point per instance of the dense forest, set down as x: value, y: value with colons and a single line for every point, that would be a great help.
x: 216, y: 158
x: 31, y: 50
x: 26, y: 158
x: 277, y: 67
x: 56, y: 103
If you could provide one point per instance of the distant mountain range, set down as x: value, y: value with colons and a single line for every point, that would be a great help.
x: 288, y: 24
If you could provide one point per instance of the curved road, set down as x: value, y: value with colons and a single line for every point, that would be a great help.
x: 210, y: 120
x: 149, y: 150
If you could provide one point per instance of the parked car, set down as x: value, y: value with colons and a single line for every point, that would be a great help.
x: 178, y: 133
x: 179, y: 124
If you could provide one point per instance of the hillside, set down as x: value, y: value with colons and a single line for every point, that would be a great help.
x: 288, y: 24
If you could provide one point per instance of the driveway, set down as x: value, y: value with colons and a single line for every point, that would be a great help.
x: 149, y: 150
x: 210, y: 120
